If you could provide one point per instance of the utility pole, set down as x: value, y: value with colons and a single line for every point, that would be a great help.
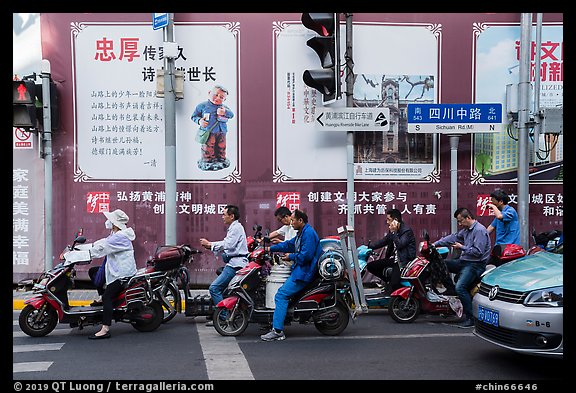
x: 349, y: 76
x: 170, y: 131
x: 523, y: 119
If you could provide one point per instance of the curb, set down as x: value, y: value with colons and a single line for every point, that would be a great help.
x: 19, y: 303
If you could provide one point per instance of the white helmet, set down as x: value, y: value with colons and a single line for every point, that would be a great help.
x: 331, y: 265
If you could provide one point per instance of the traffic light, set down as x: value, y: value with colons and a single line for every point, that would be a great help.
x: 327, y: 47
x: 54, y: 105
x: 24, y: 104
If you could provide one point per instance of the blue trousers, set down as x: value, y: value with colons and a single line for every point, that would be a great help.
x: 220, y: 283
x: 469, y: 272
x: 282, y: 298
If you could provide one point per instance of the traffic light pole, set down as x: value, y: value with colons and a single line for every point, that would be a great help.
x: 349, y: 76
x: 47, y: 155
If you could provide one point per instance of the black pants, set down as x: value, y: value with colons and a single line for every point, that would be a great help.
x: 379, y: 266
x: 112, y: 290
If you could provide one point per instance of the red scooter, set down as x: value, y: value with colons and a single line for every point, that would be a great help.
x: 419, y: 293
x: 326, y: 302
x: 137, y: 304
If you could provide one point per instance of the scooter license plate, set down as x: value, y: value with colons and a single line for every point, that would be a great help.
x: 486, y: 315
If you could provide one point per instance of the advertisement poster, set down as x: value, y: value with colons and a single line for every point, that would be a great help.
x: 497, y: 64
x: 120, y: 120
x: 391, y: 77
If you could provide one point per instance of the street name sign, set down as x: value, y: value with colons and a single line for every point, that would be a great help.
x: 159, y: 20
x: 352, y: 119
x: 455, y: 118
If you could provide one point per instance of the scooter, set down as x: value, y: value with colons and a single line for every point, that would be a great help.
x: 547, y: 241
x: 326, y: 301
x: 418, y: 293
x: 137, y: 304
x: 374, y: 296
x: 171, y: 260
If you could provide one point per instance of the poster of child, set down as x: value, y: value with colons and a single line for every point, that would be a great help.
x: 212, y: 116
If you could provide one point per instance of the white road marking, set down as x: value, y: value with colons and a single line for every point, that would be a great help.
x: 37, y: 347
x: 55, y: 332
x: 223, y: 357
x: 30, y: 367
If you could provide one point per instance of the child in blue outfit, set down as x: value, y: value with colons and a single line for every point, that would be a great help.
x: 212, y: 116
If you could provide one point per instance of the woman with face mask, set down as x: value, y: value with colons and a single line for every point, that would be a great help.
x: 119, y: 264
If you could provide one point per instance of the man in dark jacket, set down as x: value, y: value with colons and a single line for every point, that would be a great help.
x: 401, y: 249
x: 302, y: 252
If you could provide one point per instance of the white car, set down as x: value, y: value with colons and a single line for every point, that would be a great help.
x: 520, y: 305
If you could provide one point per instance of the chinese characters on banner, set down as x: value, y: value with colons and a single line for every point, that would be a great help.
x: 551, y: 204
x: 20, y: 217
x: 97, y: 202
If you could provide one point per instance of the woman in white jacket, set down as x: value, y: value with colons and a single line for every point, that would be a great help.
x: 120, y: 263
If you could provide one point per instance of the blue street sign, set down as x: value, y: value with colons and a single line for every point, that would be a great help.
x: 454, y: 118
x: 159, y: 20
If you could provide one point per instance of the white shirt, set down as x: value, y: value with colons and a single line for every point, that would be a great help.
x: 287, y: 231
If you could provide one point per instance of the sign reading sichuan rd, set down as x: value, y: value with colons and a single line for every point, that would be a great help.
x: 454, y: 118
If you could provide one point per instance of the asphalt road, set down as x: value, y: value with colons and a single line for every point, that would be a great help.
x: 373, y: 348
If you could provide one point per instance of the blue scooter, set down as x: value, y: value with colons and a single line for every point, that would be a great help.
x: 374, y: 297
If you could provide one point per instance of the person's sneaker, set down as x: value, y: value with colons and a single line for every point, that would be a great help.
x: 272, y: 335
x: 467, y: 323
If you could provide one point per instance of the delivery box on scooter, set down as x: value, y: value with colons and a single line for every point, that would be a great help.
x: 167, y: 258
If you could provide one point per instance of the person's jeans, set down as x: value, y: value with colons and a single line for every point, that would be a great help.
x: 282, y: 297
x: 220, y: 283
x: 469, y: 272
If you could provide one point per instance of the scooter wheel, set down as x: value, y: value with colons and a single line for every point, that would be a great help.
x: 336, y: 323
x: 37, y: 323
x: 233, y: 325
x: 171, y: 302
x: 404, y: 310
x: 149, y: 318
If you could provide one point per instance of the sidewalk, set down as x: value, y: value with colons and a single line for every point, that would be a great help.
x: 76, y: 297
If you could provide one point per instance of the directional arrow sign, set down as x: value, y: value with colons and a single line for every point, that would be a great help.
x: 159, y: 20
x: 352, y: 119
x: 454, y: 118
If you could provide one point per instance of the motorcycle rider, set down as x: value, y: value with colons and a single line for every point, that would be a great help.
x: 120, y: 263
x: 401, y: 249
x: 283, y: 215
x: 303, y: 251
x: 505, y: 223
x: 474, y: 243
x: 235, y: 251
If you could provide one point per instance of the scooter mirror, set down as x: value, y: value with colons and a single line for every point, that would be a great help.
x: 80, y: 240
x: 426, y: 236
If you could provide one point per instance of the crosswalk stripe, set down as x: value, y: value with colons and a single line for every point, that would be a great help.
x: 30, y: 367
x: 56, y: 332
x: 37, y: 347
x: 224, y: 358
